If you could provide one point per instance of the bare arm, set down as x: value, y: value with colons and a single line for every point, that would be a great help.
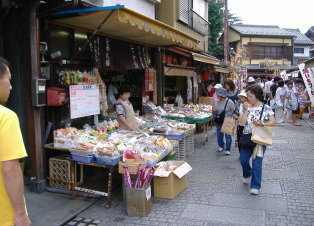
x: 243, y: 117
x: 14, y: 185
x: 125, y: 122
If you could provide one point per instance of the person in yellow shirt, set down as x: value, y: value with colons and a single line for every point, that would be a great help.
x: 12, y: 203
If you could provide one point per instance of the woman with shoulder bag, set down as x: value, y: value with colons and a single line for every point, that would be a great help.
x: 225, y: 109
x: 260, y: 115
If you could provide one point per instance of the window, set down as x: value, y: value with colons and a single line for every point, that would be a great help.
x: 298, y: 50
x: 273, y: 52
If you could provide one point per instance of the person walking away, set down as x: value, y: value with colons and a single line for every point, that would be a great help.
x: 12, y: 203
x: 267, y: 89
x: 260, y: 83
x: 279, y: 100
x: 225, y: 109
x: 274, y: 87
x: 287, y: 94
x: 232, y: 91
x: 242, y: 98
x: 295, y: 98
x: 251, y: 114
x: 124, y: 109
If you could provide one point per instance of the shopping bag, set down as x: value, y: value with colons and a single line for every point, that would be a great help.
x: 292, y: 105
x: 274, y: 104
x: 229, y: 126
x: 262, y: 135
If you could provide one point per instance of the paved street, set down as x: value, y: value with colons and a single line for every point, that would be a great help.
x: 216, y: 195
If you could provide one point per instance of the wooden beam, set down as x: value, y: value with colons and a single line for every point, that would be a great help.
x: 34, y: 115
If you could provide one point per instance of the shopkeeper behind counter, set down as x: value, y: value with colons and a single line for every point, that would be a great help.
x: 124, y: 109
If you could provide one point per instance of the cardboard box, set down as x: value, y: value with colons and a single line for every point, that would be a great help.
x: 133, y: 165
x: 169, y: 184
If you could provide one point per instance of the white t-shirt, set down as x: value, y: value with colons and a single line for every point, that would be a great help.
x: 254, y: 114
x: 293, y: 96
x: 267, y: 86
x: 279, y: 93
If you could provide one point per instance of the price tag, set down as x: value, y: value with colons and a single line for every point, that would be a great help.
x: 85, y: 137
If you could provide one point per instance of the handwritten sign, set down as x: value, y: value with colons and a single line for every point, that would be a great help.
x: 308, y: 78
x: 84, y: 100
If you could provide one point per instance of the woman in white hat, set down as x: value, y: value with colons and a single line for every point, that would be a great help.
x: 242, y: 98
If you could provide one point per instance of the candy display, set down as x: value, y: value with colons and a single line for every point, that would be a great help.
x: 143, y: 178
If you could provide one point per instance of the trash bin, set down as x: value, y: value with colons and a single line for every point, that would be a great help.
x: 138, y: 201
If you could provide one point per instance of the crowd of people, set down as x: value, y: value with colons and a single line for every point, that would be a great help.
x: 260, y: 103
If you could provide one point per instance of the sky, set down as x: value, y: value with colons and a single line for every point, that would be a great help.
x: 284, y: 13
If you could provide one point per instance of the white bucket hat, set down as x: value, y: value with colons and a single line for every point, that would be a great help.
x: 217, y: 86
x: 251, y: 79
x: 243, y: 93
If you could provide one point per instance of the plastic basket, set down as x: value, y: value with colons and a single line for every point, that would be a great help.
x: 83, y: 158
x: 108, y: 161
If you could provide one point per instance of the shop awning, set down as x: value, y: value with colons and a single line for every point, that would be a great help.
x: 205, y: 58
x: 222, y: 70
x: 124, y: 24
x: 172, y: 71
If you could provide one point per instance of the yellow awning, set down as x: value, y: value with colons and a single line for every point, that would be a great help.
x: 222, y: 70
x: 127, y: 25
x: 172, y: 71
x: 205, y: 58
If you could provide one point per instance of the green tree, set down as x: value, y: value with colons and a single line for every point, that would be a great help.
x: 234, y: 19
x: 215, y: 17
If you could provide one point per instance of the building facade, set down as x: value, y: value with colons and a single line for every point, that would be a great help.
x: 188, y: 16
x: 262, y: 43
x: 302, y: 46
x: 310, y: 35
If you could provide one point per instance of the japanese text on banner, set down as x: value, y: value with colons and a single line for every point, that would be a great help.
x: 308, y: 78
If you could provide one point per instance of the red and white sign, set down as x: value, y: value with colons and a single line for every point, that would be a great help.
x: 308, y: 78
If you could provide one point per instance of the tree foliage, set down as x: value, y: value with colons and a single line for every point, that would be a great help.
x: 215, y: 17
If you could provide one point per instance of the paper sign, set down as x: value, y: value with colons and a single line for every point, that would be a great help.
x: 308, y: 78
x: 84, y: 100
x: 85, y: 137
x: 148, y: 193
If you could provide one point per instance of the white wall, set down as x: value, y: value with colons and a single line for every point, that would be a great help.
x: 306, y: 51
x: 144, y: 7
x: 200, y: 7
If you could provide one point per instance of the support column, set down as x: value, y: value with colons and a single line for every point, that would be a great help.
x: 160, y: 78
x: 34, y: 115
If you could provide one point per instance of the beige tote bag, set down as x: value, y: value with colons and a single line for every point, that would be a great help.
x: 229, y: 126
x: 262, y: 135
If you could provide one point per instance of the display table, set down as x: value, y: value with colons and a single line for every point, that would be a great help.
x: 72, y: 181
x: 204, y: 123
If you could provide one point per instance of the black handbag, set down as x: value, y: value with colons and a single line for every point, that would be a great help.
x: 219, y: 118
x: 246, y: 142
x: 245, y: 139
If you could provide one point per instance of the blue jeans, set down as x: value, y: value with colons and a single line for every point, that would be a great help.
x: 220, y: 139
x: 256, y: 170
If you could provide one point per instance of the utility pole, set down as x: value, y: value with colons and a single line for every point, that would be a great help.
x: 226, y: 28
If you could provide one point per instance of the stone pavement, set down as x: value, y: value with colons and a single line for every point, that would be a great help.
x: 216, y: 196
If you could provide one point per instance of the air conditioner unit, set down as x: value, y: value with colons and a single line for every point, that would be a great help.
x: 95, y: 3
x: 155, y: 1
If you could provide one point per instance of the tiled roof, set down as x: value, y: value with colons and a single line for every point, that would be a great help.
x: 301, y: 39
x: 310, y: 31
x: 261, y: 30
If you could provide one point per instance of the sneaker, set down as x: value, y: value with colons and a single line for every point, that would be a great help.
x: 227, y: 153
x: 254, y: 191
x: 246, y: 180
x: 220, y: 149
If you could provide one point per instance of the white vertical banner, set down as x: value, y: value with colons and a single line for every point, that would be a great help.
x: 308, y: 78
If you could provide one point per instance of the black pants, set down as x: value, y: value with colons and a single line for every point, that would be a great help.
x: 239, y: 134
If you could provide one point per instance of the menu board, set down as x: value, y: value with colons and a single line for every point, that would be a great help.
x: 84, y: 100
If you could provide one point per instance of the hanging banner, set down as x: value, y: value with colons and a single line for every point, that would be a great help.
x: 308, y: 78
x: 114, y: 54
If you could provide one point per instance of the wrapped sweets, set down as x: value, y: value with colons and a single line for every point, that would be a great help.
x: 127, y: 177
